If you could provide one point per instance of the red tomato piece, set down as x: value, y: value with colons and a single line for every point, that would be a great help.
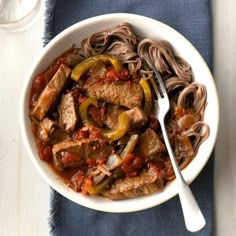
x: 69, y: 157
x: 95, y: 133
x: 153, y: 122
x: 87, y: 183
x: 45, y: 151
x: 91, y: 162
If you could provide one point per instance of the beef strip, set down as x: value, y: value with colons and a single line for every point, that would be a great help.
x: 127, y: 94
x: 149, y: 144
x: 129, y: 187
x: 45, y: 128
x: 67, y: 111
x: 137, y: 117
x: 83, y: 148
x: 70, y: 58
x: 50, y: 92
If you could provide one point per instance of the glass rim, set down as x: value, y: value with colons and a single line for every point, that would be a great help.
x: 25, y: 18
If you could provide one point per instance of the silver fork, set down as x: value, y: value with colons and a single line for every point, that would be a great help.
x: 194, y: 219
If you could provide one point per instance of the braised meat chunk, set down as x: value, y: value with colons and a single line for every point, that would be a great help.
x: 150, y: 144
x: 45, y: 128
x: 137, y: 117
x: 51, y: 92
x: 129, y: 187
x: 67, y: 111
x: 127, y: 94
x: 74, y: 153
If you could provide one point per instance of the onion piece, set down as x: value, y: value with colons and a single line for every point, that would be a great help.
x: 101, y: 180
x: 186, y: 121
x: 98, y: 178
x: 113, y: 161
x: 129, y: 148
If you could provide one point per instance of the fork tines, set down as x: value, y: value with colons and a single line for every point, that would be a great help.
x: 157, y: 82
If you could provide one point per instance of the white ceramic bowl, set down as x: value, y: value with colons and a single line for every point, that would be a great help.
x: 148, y: 28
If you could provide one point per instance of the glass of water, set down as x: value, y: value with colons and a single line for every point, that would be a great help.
x: 17, y: 14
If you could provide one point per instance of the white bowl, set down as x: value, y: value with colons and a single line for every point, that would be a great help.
x: 148, y: 28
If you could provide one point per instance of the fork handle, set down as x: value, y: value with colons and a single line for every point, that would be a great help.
x: 194, y: 219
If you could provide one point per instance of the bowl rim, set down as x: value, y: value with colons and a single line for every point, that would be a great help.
x: 23, y: 115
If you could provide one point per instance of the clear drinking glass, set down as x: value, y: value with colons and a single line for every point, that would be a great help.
x: 17, y: 14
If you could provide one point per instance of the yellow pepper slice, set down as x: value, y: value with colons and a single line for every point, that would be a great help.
x: 147, y: 96
x: 85, y: 65
x: 100, y: 187
x: 123, y: 127
x: 109, y: 135
x: 97, y: 189
x: 83, y: 111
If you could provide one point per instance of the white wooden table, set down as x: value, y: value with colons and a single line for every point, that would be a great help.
x: 24, y: 196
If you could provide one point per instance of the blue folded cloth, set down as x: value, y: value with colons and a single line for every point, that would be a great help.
x: 192, y: 19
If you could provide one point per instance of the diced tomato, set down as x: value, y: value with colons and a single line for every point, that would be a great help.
x: 128, y: 158
x: 45, y: 151
x: 127, y: 168
x: 111, y: 75
x: 39, y: 83
x: 91, y: 162
x: 81, y: 183
x: 101, y: 161
x: 87, y: 183
x: 95, y: 133
x: 153, y: 122
x: 137, y: 162
x: 81, y: 133
x: 131, y: 165
x: 69, y: 157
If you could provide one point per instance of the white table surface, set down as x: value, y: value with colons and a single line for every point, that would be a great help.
x: 24, y: 196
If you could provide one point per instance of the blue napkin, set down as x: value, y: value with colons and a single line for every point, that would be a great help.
x: 192, y: 19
